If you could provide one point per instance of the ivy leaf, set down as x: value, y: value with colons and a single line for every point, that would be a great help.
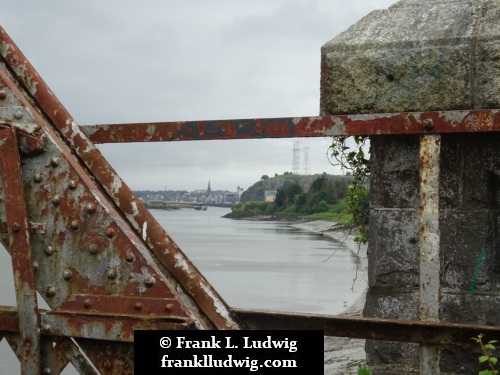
x: 484, y: 358
x: 487, y: 372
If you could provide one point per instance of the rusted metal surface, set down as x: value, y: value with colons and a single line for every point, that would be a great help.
x: 9, y: 321
x: 100, y: 326
x: 430, y: 333
x: 20, y: 249
x: 430, y: 261
x: 323, y: 126
x: 54, y: 357
x: 200, y: 293
x: 109, y: 357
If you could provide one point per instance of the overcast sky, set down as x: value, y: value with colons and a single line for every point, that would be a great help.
x: 115, y: 61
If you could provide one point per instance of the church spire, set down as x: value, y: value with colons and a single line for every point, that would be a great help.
x: 209, y: 190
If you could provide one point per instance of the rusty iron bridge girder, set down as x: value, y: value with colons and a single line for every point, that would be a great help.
x: 435, y: 122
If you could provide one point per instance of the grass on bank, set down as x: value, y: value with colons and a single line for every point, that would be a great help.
x: 329, y: 212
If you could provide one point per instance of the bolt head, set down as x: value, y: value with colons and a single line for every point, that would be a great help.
x: 138, y: 306
x: 149, y: 281
x: 93, y: 249
x: 3, y: 95
x: 90, y: 208
x: 74, y: 225
x: 106, y: 365
x: 38, y: 178
x: 112, y: 273
x: 129, y: 257
x: 18, y: 115
x: 54, y: 162
x: 49, y: 250
x: 46, y: 371
x: 110, y: 232
x: 87, y: 303
x: 67, y: 275
x: 56, y: 200
x: 72, y: 184
x: 428, y: 124
x: 169, y: 307
x: 50, y: 291
x: 16, y: 227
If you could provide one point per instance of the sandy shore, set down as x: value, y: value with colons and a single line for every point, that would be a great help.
x: 342, y: 355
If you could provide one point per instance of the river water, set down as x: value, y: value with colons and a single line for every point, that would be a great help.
x: 252, y: 264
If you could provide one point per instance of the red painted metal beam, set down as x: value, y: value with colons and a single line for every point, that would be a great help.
x: 20, y: 250
x: 484, y: 120
x: 430, y: 333
x: 82, y: 325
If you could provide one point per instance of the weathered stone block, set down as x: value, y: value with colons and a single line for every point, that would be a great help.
x: 393, y: 248
x: 415, y: 56
x: 470, y: 171
x: 463, y: 235
x: 394, y: 172
x: 393, y: 355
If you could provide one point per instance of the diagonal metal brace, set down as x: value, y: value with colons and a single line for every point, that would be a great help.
x: 22, y: 261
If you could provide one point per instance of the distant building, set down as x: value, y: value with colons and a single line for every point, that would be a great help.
x: 231, y: 197
x: 269, y: 195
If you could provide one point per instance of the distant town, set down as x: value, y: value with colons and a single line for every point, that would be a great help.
x: 207, y: 196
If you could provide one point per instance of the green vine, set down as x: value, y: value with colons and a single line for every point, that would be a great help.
x: 352, y: 158
x: 487, y: 357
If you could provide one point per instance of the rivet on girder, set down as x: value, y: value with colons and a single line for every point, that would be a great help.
x: 149, y: 281
x: 129, y: 257
x: 110, y: 232
x: 112, y: 273
x: 106, y: 365
x: 38, y: 178
x: 35, y: 265
x: 168, y: 307
x: 87, y: 303
x: 18, y: 115
x: 54, y: 162
x: 49, y: 250
x: 15, y: 227
x: 138, y: 306
x: 3, y: 95
x: 428, y: 124
x: 67, y: 275
x: 50, y: 291
x: 72, y: 184
x: 90, y: 208
x: 74, y: 225
x: 93, y: 249
x: 56, y: 200
x: 46, y: 371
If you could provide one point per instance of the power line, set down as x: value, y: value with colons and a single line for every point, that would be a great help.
x: 296, y: 157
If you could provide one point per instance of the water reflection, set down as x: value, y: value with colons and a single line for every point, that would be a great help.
x: 264, y: 265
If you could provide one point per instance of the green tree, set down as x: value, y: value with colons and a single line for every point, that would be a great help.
x: 285, y: 196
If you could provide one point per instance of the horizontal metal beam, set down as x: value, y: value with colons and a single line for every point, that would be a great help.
x: 108, y: 327
x: 121, y: 327
x: 430, y: 333
x: 98, y: 326
x: 484, y: 120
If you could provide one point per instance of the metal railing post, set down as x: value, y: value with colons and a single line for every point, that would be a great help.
x: 430, y: 266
